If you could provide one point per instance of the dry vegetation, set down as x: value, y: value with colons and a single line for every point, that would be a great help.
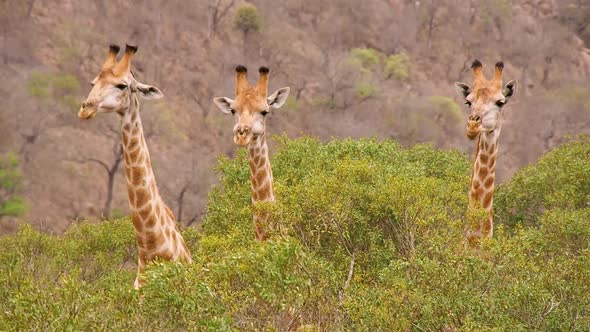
x: 382, y: 68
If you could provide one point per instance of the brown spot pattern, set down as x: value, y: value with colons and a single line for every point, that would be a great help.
x: 483, y: 172
x: 145, y: 212
x: 492, y: 161
x: 132, y: 144
x: 151, y: 222
x: 487, y: 199
x: 476, y: 184
x: 133, y: 155
x: 483, y: 158
x: 138, y: 174
x: 131, y: 194
x: 489, y: 182
x: 479, y: 192
x: 260, y: 176
x: 153, y: 240
x: 142, y: 196
x: 137, y: 222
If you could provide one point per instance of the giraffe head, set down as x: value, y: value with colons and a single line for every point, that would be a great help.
x: 251, y: 105
x: 485, y: 100
x: 113, y: 87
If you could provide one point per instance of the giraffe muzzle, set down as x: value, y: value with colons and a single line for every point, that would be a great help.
x: 243, y: 136
x: 87, y: 110
x: 473, y: 127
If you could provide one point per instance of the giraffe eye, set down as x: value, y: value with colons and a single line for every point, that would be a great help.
x: 264, y: 113
x: 468, y: 103
x: 121, y: 86
x: 232, y: 111
x: 500, y: 103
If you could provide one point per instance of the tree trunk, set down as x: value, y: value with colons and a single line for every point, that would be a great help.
x: 180, y: 203
x: 112, y: 173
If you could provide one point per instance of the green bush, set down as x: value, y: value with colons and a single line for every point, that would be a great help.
x: 366, y: 235
x: 365, y: 90
x: 324, y: 102
x: 10, y: 178
x: 398, y: 66
x: 61, y: 88
x: 561, y: 179
x: 248, y: 19
x: 445, y: 107
x: 367, y: 58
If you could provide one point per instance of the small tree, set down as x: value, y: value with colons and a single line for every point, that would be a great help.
x: 10, y: 177
x: 50, y: 91
x: 248, y: 19
x: 398, y: 66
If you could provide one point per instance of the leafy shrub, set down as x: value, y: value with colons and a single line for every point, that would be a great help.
x: 38, y: 85
x: 445, y: 107
x: 561, y: 179
x: 398, y: 66
x: 324, y: 102
x: 366, y: 236
x: 366, y: 57
x: 365, y: 90
x: 248, y: 19
x: 10, y: 177
x: 61, y: 88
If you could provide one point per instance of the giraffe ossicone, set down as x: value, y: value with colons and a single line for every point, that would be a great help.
x: 115, y: 90
x: 250, y: 108
x: 486, y: 101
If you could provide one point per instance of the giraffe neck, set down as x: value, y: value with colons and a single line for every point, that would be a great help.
x: 481, y: 193
x: 156, y: 231
x: 141, y: 183
x: 260, y: 170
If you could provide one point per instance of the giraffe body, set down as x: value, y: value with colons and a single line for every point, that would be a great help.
x: 250, y: 109
x: 115, y: 90
x: 486, y: 100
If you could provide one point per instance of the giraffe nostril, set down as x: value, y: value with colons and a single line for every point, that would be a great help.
x: 243, y: 131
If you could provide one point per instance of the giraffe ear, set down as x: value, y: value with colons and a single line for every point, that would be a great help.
x: 224, y: 104
x: 148, y: 92
x: 509, y: 89
x: 463, y: 90
x: 278, y: 98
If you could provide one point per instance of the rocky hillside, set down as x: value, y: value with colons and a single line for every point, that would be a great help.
x: 384, y: 68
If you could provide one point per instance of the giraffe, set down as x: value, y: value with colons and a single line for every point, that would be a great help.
x: 250, y: 109
x: 115, y: 90
x: 486, y: 100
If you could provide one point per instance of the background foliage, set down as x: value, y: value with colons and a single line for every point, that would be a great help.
x: 367, y: 235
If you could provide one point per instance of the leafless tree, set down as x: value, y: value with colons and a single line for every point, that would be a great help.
x: 111, y: 167
x: 217, y: 11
